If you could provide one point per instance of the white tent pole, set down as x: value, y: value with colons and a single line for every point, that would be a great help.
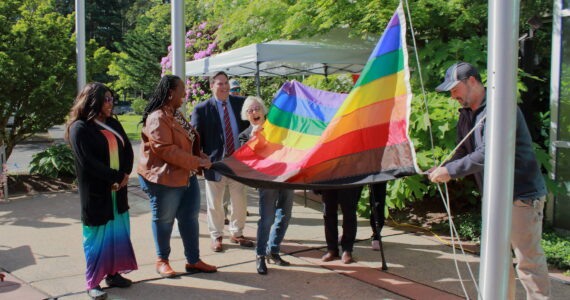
x: 257, y: 80
x: 500, y: 147
x: 80, y: 44
x: 178, y: 38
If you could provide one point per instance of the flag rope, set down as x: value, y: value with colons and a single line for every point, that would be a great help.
x: 445, y: 198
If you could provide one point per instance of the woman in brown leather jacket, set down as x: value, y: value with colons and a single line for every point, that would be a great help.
x: 169, y: 160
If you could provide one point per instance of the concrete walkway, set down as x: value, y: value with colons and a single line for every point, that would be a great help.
x: 42, y: 256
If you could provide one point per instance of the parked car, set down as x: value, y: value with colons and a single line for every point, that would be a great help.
x: 122, y: 107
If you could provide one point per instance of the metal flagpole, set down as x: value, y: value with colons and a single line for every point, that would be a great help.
x: 80, y: 44
x: 257, y: 80
x: 500, y: 147
x: 178, y: 38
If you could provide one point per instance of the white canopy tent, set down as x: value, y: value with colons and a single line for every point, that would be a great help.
x: 333, y: 53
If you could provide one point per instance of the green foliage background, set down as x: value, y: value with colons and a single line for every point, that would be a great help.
x: 126, y: 55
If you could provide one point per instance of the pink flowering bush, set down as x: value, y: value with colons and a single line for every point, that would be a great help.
x: 200, y: 43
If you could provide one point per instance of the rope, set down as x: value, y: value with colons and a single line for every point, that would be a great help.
x: 445, y: 199
x: 421, y: 77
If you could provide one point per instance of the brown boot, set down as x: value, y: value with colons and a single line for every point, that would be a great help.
x: 330, y: 255
x: 164, y: 269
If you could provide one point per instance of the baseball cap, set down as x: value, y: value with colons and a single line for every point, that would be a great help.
x: 456, y: 73
x: 234, y: 83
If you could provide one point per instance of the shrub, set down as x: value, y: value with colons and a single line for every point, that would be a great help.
x: 443, y: 116
x: 557, y: 249
x: 55, y: 161
x: 138, y: 105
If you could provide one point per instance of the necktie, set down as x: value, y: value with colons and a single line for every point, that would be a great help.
x: 228, y: 129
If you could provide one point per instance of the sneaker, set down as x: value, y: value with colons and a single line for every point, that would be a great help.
x: 376, y: 245
x: 118, y: 281
x: 97, y: 293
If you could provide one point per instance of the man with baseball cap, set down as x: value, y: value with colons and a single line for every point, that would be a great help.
x: 463, y: 81
x: 235, y: 88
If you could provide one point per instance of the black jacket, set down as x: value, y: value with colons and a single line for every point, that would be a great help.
x: 206, y: 120
x: 94, y: 174
x: 245, y: 135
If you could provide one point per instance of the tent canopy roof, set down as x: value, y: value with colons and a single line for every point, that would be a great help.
x: 330, y: 54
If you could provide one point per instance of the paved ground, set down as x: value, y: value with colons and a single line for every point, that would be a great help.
x: 22, y: 154
x: 41, y: 253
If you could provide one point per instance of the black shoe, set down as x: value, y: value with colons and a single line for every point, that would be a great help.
x: 118, y: 281
x: 276, y: 258
x: 260, y: 265
x: 97, y: 293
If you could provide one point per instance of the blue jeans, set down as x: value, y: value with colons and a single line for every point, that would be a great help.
x: 274, y: 215
x: 167, y: 203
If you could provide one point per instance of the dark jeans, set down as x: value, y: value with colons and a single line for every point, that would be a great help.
x: 377, y: 203
x: 348, y: 201
x: 168, y: 203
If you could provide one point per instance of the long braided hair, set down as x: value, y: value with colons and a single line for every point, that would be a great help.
x: 160, y: 96
x: 88, y: 104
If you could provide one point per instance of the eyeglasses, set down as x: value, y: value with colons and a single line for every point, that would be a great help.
x: 252, y: 110
x: 109, y: 99
x: 235, y: 90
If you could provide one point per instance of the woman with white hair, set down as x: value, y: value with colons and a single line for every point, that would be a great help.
x: 274, y: 205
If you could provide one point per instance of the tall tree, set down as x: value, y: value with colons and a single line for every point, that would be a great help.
x: 37, y: 69
x: 105, y: 20
x: 137, y: 66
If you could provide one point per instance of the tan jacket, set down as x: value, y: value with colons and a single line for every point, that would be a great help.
x: 166, y: 150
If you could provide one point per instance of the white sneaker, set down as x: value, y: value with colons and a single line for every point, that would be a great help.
x: 376, y: 245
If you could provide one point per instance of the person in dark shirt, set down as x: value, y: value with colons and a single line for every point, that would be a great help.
x: 464, y: 83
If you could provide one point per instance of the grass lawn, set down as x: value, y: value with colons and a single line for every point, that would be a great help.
x: 131, y: 125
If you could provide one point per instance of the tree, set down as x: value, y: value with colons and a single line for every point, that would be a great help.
x: 37, y: 69
x: 106, y: 21
x: 446, y: 32
x: 137, y: 66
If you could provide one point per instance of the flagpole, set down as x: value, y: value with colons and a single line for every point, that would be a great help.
x: 80, y: 44
x: 500, y: 147
x: 178, y: 38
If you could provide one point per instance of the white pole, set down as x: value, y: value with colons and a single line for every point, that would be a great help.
x: 80, y: 44
x: 178, y: 38
x: 500, y: 148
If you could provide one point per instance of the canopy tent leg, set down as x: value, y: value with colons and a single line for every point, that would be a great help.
x: 326, y: 73
x: 257, y: 81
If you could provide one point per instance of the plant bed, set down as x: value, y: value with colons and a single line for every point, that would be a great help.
x: 431, y: 215
x: 19, y: 184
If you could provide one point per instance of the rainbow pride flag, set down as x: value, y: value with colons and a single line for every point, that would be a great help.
x: 314, y: 139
